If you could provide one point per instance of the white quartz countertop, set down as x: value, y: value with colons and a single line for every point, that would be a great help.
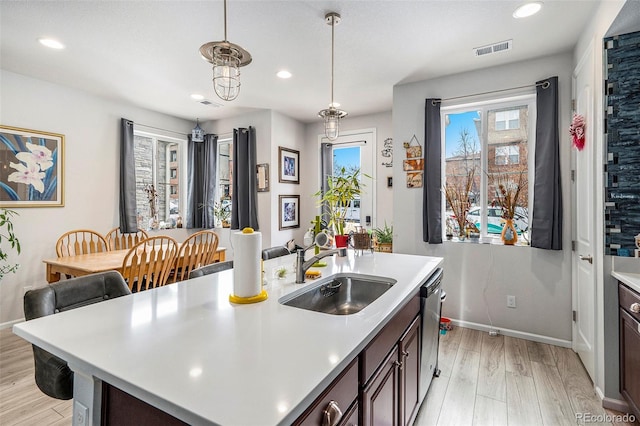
x: 630, y: 279
x: 187, y: 350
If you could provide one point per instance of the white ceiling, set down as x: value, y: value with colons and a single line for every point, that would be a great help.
x: 146, y: 52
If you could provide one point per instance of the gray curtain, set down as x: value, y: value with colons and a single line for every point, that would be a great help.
x: 128, y: 217
x: 546, y: 224
x: 201, y: 181
x: 432, y: 185
x: 244, y: 206
x: 326, y: 168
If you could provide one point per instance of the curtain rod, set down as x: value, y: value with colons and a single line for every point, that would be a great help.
x: 158, y: 128
x: 544, y: 85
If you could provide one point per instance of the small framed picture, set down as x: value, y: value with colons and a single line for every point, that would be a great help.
x: 289, y: 165
x: 289, y: 211
x: 262, y: 172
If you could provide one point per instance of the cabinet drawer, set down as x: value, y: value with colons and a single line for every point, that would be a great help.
x: 628, y: 297
x: 343, y: 390
x: 373, y: 355
x: 630, y: 360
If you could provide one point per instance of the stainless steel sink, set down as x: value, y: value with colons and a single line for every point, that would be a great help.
x: 340, y: 294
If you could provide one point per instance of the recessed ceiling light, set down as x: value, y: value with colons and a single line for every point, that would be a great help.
x: 528, y: 9
x: 49, y: 42
x: 197, y: 97
x: 284, y: 74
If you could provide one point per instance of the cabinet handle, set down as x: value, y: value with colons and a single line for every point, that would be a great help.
x: 398, y: 364
x: 405, y: 354
x: 635, y: 308
x: 332, y: 414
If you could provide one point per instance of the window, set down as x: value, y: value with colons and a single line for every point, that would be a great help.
x: 509, y: 154
x: 158, y: 183
x: 225, y: 175
x: 486, y: 151
x: 506, y: 120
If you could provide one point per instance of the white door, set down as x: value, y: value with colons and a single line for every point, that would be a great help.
x: 584, y: 268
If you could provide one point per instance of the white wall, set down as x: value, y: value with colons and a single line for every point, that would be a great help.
x: 384, y: 196
x: 91, y: 168
x: 479, y: 277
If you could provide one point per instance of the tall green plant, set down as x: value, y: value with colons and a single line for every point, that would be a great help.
x: 342, y: 189
x: 7, y: 234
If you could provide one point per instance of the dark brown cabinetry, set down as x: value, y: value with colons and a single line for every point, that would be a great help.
x: 409, y: 347
x: 630, y: 347
x: 387, y: 381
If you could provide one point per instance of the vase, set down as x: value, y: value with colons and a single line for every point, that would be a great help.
x: 342, y: 240
x: 509, y: 234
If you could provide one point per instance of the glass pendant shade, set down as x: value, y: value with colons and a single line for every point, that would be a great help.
x: 197, y: 134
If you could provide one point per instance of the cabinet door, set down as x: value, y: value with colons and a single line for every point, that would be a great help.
x: 380, y: 399
x: 630, y: 360
x: 409, y: 373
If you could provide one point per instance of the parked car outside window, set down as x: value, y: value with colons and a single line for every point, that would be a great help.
x: 495, y: 222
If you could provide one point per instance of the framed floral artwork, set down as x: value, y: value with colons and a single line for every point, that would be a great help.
x: 289, y: 211
x: 32, y: 172
x: 289, y: 165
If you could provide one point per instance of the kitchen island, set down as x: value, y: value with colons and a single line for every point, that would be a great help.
x: 185, y: 349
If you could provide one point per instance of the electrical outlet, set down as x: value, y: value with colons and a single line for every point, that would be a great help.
x: 511, y: 301
x: 26, y: 289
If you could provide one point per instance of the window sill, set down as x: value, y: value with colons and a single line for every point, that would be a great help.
x: 484, y: 240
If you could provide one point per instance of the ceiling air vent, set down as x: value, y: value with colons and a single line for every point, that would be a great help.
x: 209, y: 103
x: 502, y: 46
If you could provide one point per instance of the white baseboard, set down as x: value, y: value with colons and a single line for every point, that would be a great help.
x: 10, y: 324
x: 514, y: 333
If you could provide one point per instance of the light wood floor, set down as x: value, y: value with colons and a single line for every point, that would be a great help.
x: 484, y: 381
x: 507, y: 381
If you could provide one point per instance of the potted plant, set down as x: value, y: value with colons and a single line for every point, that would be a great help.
x: 7, y: 234
x: 222, y: 212
x: 384, y: 238
x: 342, y: 189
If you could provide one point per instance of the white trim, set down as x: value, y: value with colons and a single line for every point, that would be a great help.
x: 10, y: 324
x: 514, y: 333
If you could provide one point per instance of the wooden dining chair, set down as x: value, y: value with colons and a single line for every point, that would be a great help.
x: 148, y: 264
x: 116, y: 240
x: 80, y: 241
x: 196, y: 251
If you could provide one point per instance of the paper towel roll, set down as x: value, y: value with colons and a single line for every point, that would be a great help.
x: 247, y: 254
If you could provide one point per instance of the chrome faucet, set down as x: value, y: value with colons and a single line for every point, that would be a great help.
x: 302, y: 266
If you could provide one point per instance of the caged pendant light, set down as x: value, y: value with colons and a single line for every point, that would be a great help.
x: 332, y: 115
x: 227, y: 58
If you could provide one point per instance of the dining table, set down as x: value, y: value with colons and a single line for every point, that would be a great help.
x: 85, y: 264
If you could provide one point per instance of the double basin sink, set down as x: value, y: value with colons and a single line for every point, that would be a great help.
x: 339, y: 294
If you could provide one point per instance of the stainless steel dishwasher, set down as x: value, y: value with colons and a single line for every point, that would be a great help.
x: 431, y: 297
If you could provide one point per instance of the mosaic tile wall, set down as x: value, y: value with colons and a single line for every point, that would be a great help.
x: 622, y: 171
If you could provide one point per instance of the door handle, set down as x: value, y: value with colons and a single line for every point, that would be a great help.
x: 588, y: 258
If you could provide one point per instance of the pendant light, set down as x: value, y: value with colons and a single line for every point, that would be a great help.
x: 197, y: 134
x: 332, y: 115
x: 227, y: 58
